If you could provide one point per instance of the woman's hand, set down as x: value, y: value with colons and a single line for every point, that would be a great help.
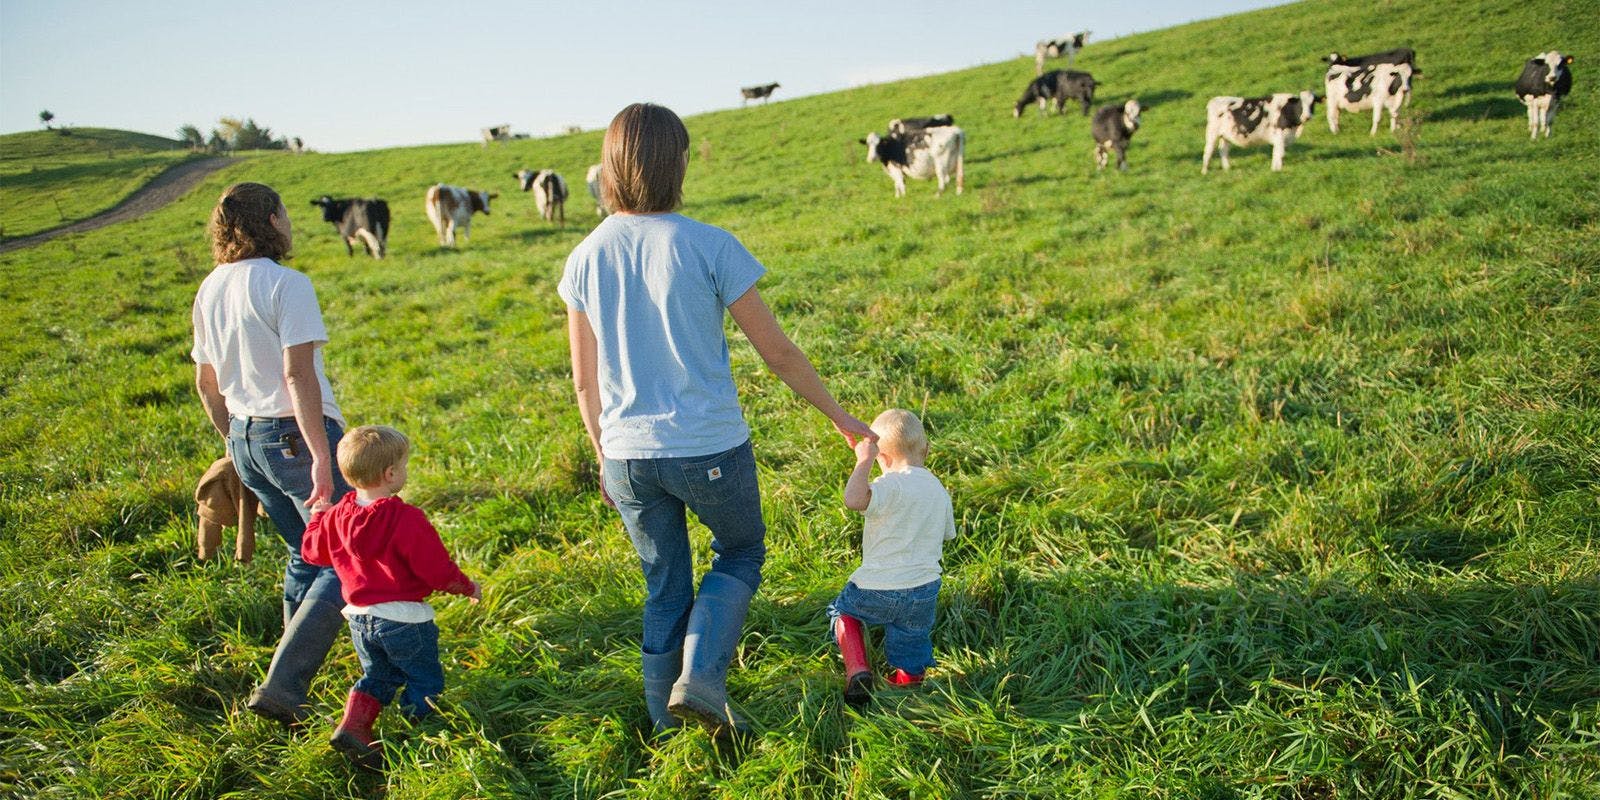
x: 854, y: 430
x: 321, y: 484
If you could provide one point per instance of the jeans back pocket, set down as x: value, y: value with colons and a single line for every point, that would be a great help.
x: 722, y: 478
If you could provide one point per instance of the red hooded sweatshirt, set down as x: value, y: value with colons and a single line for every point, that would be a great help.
x: 382, y: 553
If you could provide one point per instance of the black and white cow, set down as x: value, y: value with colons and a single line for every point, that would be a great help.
x: 593, y: 180
x: 366, y: 221
x: 908, y: 124
x: 1059, y: 85
x: 549, y: 192
x: 762, y: 93
x: 1399, y: 55
x: 499, y: 133
x: 1055, y: 48
x: 1375, y: 86
x: 930, y: 153
x: 450, y: 208
x: 1274, y: 120
x: 1545, y: 79
x: 1113, y: 128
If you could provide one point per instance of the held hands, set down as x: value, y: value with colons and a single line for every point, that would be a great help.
x: 854, y: 430
x: 321, y: 484
x: 866, y: 450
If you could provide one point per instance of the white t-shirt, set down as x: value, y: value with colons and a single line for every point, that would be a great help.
x: 908, y: 521
x: 245, y: 315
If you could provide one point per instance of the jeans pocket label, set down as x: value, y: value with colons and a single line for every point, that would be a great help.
x: 714, y: 473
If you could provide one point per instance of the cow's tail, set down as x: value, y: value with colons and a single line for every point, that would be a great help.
x: 961, y: 162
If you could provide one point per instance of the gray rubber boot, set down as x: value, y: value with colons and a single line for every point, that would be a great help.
x: 701, y: 692
x: 660, y: 672
x: 306, y: 641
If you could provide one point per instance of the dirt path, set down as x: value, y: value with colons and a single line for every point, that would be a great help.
x: 163, y: 189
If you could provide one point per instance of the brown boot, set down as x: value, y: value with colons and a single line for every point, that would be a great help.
x: 353, y: 737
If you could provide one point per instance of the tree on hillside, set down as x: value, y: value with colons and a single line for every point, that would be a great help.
x: 191, y: 136
x: 246, y: 135
x: 45, y: 116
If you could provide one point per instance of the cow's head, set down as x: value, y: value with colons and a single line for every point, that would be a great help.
x: 871, y: 142
x: 1130, y: 114
x: 332, y: 210
x: 480, y: 200
x: 1080, y: 39
x: 1554, y: 64
x: 1333, y: 58
x: 525, y: 179
x: 1308, y: 101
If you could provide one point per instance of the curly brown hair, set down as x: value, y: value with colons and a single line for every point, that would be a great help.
x: 241, y: 224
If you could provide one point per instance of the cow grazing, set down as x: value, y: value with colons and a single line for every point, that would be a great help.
x: 1376, y: 86
x: 1399, y: 55
x: 1055, y: 48
x: 1059, y: 85
x: 1245, y: 121
x: 762, y: 93
x: 1545, y: 79
x: 549, y: 192
x: 933, y: 152
x: 1113, y: 127
x: 908, y: 124
x: 593, y: 179
x: 499, y: 133
x: 366, y: 221
x: 450, y: 208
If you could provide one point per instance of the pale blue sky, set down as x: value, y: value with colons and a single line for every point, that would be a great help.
x: 358, y: 75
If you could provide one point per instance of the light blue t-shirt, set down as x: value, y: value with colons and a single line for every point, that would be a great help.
x: 654, y: 287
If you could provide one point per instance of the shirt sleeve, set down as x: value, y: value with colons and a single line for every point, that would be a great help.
x: 314, y: 544
x: 734, y: 271
x: 885, y: 491
x: 198, y: 351
x: 568, y: 286
x: 425, y: 554
x: 299, y: 316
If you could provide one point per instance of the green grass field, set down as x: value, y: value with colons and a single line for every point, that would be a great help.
x: 1269, y: 485
x: 50, y: 178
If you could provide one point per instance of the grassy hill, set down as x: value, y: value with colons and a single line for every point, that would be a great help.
x: 50, y: 178
x: 1269, y: 485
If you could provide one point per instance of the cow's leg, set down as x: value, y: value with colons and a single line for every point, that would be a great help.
x: 1533, y: 118
x: 1377, y: 114
x: 1277, y: 154
x: 450, y: 233
x: 1122, y: 157
x: 1222, y: 148
x: 1333, y: 115
x: 561, y: 211
x: 1100, y: 157
x: 348, y: 250
x: 371, y: 242
x: 1205, y: 160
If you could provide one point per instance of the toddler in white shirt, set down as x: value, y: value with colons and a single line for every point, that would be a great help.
x: 908, y: 520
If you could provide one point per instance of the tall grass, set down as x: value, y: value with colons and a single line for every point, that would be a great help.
x: 1269, y: 485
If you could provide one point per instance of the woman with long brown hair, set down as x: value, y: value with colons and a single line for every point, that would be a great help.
x: 258, y: 338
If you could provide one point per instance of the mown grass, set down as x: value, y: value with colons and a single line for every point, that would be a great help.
x: 50, y: 178
x: 1270, y: 485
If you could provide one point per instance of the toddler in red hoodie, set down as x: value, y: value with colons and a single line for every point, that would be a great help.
x: 389, y: 559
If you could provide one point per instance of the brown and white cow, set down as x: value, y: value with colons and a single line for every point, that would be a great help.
x: 450, y: 208
x: 549, y: 192
x: 1244, y: 121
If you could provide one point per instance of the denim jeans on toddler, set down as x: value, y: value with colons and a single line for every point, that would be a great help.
x: 274, y: 463
x: 652, y: 495
x: 395, y: 654
x: 905, y: 614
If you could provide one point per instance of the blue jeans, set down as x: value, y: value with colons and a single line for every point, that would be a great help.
x: 395, y: 654
x: 652, y: 495
x: 272, y: 460
x: 905, y: 614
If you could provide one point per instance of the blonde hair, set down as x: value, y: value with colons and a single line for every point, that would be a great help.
x: 365, y: 452
x: 899, y: 431
x: 643, y: 160
x: 241, y: 224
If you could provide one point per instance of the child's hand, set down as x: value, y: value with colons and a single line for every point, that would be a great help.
x: 320, y: 506
x: 477, y: 593
x: 854, y: 430
x: 866, y: 450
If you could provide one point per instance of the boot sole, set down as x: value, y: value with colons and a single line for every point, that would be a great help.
x: 858, y: 690
x: 365, y: 756
x: 689, y: 708
x: 265, y: 706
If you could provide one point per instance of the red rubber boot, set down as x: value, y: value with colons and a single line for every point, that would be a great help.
x: 905, y: 680
x: 353, y: 737
x: 858, y: 675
